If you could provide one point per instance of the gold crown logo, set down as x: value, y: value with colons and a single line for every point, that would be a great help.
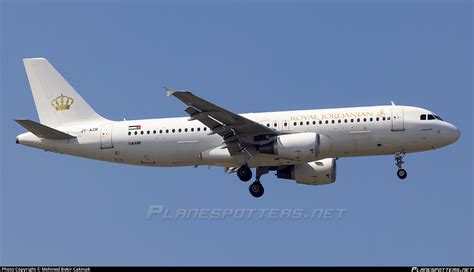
x: 62, y: 102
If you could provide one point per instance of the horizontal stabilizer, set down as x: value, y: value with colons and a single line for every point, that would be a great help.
x: 42, y: 131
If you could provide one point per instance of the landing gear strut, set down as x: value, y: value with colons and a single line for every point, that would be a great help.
x: 401, y: 173
x: 244, y: 173
x: 256, y: 188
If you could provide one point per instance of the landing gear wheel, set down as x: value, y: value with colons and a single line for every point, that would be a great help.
x: 402, y: 173
x: 244, y: 173
x: 256, y: 189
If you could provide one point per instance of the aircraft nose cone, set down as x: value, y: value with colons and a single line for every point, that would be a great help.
x: 452, y: 134
x: 456, y: 134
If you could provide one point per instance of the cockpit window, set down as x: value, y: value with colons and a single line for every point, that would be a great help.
x: 430, y: 117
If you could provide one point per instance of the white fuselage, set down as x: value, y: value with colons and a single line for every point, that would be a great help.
x: 361, y: 131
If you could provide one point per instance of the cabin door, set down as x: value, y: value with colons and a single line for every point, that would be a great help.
x: 106, y: 137
x: 398, y: 123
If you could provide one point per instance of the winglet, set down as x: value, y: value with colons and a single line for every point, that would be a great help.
x: 393, y: 104
x: 169, y: 91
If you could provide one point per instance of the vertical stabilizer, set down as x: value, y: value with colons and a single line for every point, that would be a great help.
x: 57, y: 103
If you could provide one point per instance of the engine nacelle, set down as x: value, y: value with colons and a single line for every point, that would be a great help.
x: 312, y: 173
x: 307, y: 146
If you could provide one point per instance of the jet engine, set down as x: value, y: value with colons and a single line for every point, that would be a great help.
x: 312, y: 173
x: 306, y: 146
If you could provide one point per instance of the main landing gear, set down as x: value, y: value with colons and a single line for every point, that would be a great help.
x: 401, y: 173
x: 256, y: 189
x: 245, y: 174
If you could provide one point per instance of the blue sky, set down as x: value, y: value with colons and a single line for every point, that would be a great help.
x: 245, y: 56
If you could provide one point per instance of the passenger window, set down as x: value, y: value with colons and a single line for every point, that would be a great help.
x: 383, y: 118
x: 377, y: 119
x: 294, y: 124
x: 173, y: 130
x: 275, y: 125
x: 345, y: 120
x: 179, y: 130
x: 129, y: 133
x: 148, y: 132
x: 142, y: 132
x: 320, y: 122
x: 167, y: 131
x: 327, y: 122
x: 192, y: 129
x: 388, y: 118
x: 154, y: 131
x: 358, y: 120
x: 198, y: 129
x: 352, y: 120
x: 205, y: 128
x: 185, y: 130
x: 332, y: 121
x: 161, y: 131
x: 135, y: 133
x: 268, y: 125
x: 301, y: 123
x: 339, y: 121
x: 371, y: 119
x: 365, y: 119
x: 285, y: 124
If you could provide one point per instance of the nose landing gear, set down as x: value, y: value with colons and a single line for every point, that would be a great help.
x: 401, y: 173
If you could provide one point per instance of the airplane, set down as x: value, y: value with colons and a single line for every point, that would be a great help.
x: 300, y: 145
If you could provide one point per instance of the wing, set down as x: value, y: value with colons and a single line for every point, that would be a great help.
x: 236, y: 130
